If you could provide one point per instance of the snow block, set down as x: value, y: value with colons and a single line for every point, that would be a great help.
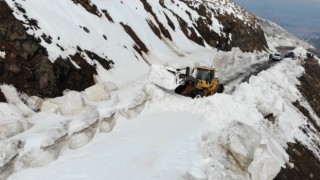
x: 107, y: 124
x: 134, y: 111
x: 98, y: 92
x: 96, y: 79
x: 73, y: 104
x: 43, y: 142
x: 12, y: 128
x: 13, y: 97
x: 241, y: 141
x: 34, y: 102
x: 49, y: 106
x: 82, y: 129
x: 268, y: 160
x: 263, y: 166
x: 83, y: 137
x: 8, y: 152
x: 111, y: 86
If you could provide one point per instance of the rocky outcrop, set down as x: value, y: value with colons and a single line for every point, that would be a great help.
x: 26, y: 64
x: 247, y: 36
x: 310, y: 84
x: 88, y: 6
x: 306, y: 165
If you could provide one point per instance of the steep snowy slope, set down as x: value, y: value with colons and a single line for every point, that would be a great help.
x: 114, y: 35
x: 277, y: 36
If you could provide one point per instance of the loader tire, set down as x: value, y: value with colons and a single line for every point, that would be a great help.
x: 197, y: 93
x: 180, y: 88
x: 220, y: 88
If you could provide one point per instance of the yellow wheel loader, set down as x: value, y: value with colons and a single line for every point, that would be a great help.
x: 201, y: 82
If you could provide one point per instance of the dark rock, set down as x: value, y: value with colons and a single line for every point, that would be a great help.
x: 86, y: 29
x: 87, y: 4
x: 46, y: 38
x: 149, y: 9
x: 139, y: 46
x: 305, y: 163
x: 105, y: 12
x: 104, y: 37
x: 310, y: 84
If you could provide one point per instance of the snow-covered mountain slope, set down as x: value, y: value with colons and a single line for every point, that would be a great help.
x: 114, y: 35
x: 129, y: 124
x: 277, y: 36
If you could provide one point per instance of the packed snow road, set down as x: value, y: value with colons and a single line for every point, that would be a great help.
x: 244, y: 75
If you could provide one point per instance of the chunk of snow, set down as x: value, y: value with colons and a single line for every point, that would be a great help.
x: 12, y: 128
x: 98, y: 92
x: 263, y: 166
x: 83, y: 137
x: 73, y: 103
x: 241, y: 141
x: 83, y: 120
x: 2, y: 54
x: 8, y: 150
x: 34, y: 102
x: 107, y: 124
x: 13, y: 97
x: 269, y: 157
x: 82, y: 128
x: 111, y: 86
x: 48, y: 105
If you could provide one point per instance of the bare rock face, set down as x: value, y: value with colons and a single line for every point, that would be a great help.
x: 310, y: 84
x: 26, y: 64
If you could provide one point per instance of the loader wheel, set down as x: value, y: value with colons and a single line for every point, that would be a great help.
x: 220, y: 88
x: 197, y: 93
x: 180, y: 88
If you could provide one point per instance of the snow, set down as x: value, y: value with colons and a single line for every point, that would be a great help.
x: 66, y: 30
x: 98, y: 92
x: 153, y: 157
x: 2, y: 54
x: 276, y: 36
x: 73, y: 104
x: 146, y: 132
x: 131, y: 125
x: 8, y: 149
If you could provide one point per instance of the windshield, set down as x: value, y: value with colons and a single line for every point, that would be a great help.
x: 203, y: 74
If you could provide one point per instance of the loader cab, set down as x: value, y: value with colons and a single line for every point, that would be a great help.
x: 203, y: 73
